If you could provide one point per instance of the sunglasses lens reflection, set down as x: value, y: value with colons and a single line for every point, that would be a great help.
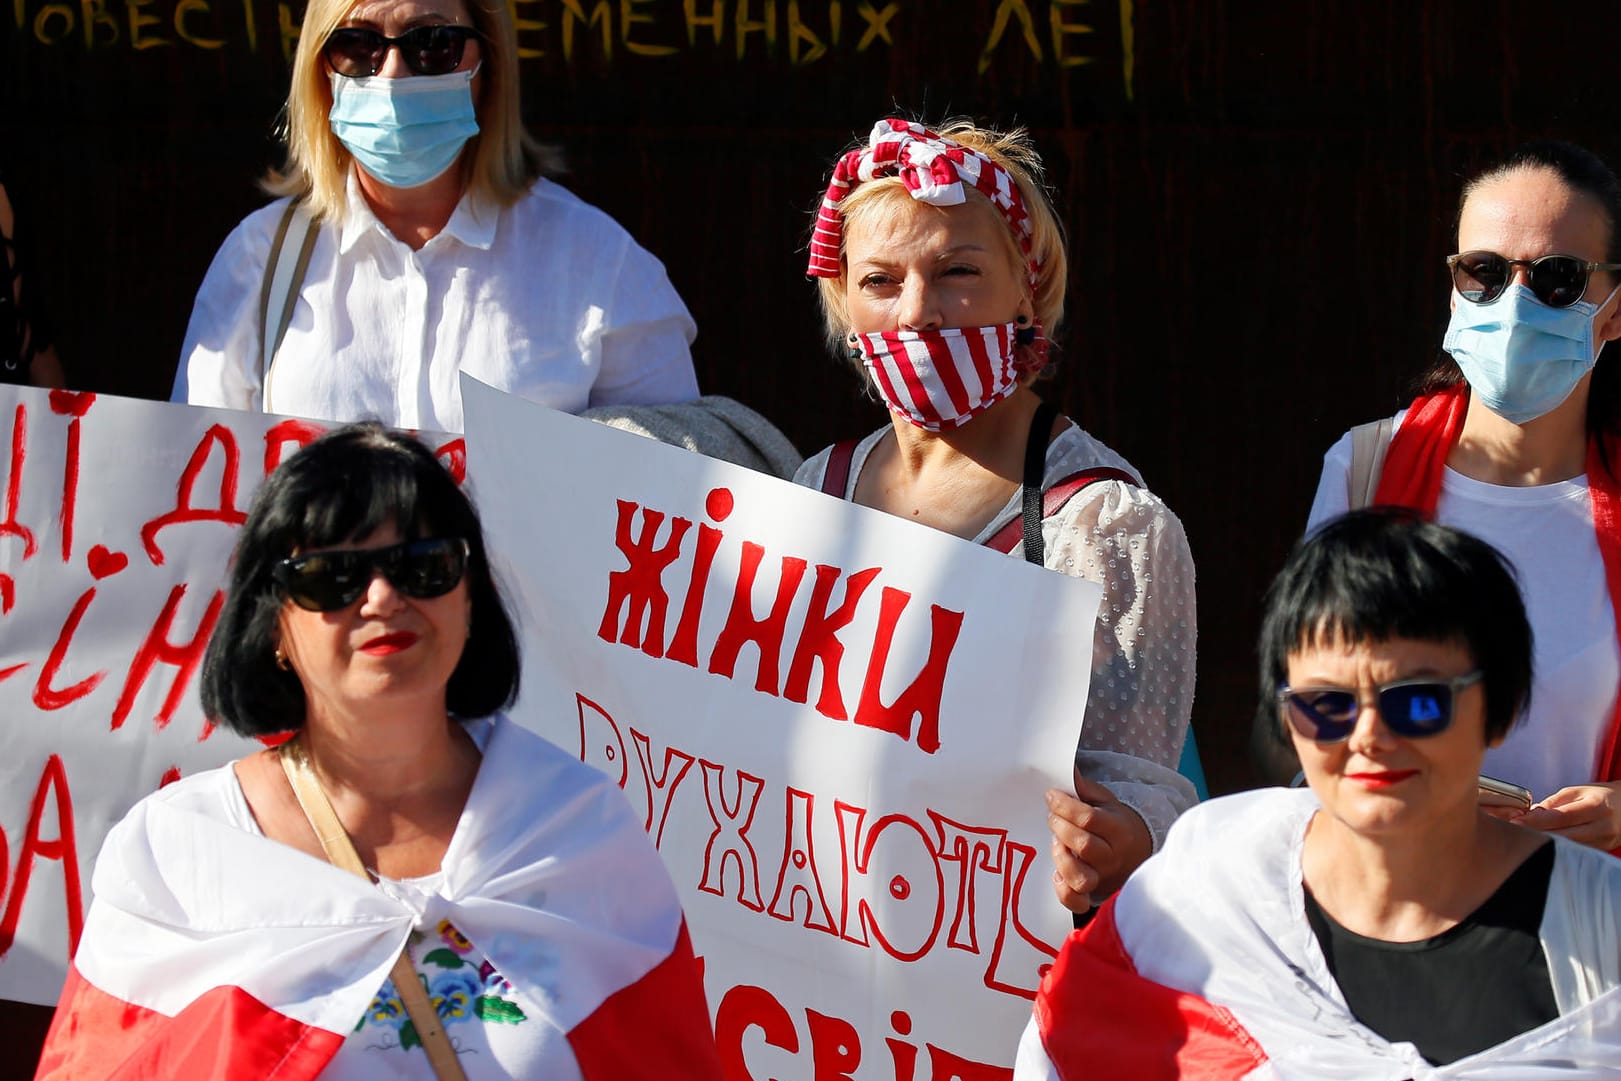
x: 354, y: 52
x: 1329, y: 715
x: 1480, y: 276
x: 1557, y: 280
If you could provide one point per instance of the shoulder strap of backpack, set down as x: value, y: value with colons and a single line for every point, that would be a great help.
x: 1053, y: 500
x: 284, y: 277
x: 1368, y: 445
x: 836, y: 477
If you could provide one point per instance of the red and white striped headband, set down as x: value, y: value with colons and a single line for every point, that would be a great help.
x: 935, y: 169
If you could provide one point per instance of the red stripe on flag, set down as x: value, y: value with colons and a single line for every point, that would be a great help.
x: 1099, y: 1018
x: 658, y: 1027
x: 224, y: 1033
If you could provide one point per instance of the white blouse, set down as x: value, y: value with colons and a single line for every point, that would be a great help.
x: 1128, y: 541
x: 549, y: 299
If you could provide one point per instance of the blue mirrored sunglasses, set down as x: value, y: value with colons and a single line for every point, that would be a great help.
x: 1413, y: 708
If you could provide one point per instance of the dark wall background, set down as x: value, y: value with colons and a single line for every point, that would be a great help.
x: 1259, y: 197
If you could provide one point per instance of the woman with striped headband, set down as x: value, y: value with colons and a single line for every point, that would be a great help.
x: 942, y: 273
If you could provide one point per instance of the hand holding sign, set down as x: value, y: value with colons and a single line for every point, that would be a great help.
x: 1097, y: 842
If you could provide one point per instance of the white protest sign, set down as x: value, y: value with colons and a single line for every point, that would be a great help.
x: 117, y: 519
x: 838, y: 726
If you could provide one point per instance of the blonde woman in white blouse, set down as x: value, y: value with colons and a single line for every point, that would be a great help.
x: 942, y: 271
x: 435, y: 244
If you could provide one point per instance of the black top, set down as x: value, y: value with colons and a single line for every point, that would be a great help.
x: 1470, y: 987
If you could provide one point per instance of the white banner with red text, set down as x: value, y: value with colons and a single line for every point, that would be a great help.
x: 837, y: 724
x: 117, y: 519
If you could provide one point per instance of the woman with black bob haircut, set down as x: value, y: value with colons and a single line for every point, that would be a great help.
x: 1383, y: 923
x: 1386, y: 574
x: 410, y: 886
x: 347, y: 484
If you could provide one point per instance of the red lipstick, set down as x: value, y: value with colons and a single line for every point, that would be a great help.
x: 1382, y: 778
x: 386, y: 644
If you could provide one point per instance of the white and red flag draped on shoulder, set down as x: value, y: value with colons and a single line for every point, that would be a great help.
x: 214, y: 953
x: 1204, y: 968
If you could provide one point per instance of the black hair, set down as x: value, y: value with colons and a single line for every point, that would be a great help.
x: 1584, y: 171
x: 343, y: 486
x: 1383, y: 573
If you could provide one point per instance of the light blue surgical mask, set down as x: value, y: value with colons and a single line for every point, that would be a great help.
x: 407, y: 131
x: 1521, y: 357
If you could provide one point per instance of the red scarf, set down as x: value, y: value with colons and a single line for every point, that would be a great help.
x: 1412, y: 478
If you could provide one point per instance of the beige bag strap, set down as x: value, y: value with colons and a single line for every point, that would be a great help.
x: 340, y: 852
x: 284, y: 277
x: 1368, y: 445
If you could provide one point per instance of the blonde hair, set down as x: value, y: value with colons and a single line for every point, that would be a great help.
x: 881, y: 199
x: 501, y: 162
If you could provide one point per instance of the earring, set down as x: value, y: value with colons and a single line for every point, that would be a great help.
x: 281, y: 661
x: 1025, y: 334
x: 854, y: 352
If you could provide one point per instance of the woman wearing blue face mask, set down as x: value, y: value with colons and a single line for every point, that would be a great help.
x: 1516, y: 437
x: 418, y: 238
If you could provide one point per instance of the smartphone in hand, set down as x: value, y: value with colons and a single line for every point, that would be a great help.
x: 1495, y: 793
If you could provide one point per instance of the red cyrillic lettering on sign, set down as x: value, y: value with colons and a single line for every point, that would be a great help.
x: 47, y: 697
x: 745, y: 1007
x: 7, y: 673
x: 1017, y: 962
x: 684, y: 646
x: 640, y: 585
x: 660, y: 786
x: 797, y: 875
x: 297, y: 433
x: 454, y: 455
x: 75, y: 405
x: 741, y: 626
x: 8, y: 593
x: 170, y: 776
x: 53, y: 781
x: 735, y: 844
x: 72, y: 403
x: 718, y: 505
x: 908, y: 887
x: 9, y: 526
x: 922, y: 697
x: 819, y: 640
x: 835, y: 1047
x: 601, y: 747
x: 186, y: 656
x: 217, y: 436
x: 901, y: 1053
x: 973, y: 849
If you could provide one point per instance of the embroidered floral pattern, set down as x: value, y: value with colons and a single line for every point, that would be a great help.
x: 462, y: 986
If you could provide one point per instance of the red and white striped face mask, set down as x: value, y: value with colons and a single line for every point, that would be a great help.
x: 940, y: 379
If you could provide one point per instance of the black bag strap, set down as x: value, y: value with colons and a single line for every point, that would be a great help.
x: 1035, y: 470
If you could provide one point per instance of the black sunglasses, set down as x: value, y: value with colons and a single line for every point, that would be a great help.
x: 1557, y: 280
x: 328, y: 581
x: 435, y: 49
x: 1412, y: 708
